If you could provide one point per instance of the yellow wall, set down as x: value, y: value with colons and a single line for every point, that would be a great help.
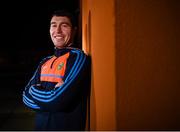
x: 148, y: 61
x: 134, y: 45
x: 99, y: 41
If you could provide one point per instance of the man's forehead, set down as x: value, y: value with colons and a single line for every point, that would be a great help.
x: 60, y: 18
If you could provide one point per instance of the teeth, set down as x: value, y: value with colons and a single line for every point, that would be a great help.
x: 58, y: 37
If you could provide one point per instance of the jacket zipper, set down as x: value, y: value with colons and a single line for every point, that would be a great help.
x: 53, y: 62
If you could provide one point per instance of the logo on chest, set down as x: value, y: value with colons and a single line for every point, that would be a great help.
x: 60, y: 66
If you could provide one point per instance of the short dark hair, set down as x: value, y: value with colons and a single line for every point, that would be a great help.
x: 66, y: 13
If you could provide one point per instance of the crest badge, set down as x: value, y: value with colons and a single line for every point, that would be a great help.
x: 60, y: 66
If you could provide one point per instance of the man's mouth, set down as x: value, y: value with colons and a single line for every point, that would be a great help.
x: 58, y: 37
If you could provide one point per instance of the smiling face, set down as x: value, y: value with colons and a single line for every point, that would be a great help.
x: 61, y: 31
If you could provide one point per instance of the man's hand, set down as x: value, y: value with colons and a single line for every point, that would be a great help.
x: 36, y: 84
x: 59, y: 84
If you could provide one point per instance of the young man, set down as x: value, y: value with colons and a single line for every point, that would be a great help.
x: 58, y: 90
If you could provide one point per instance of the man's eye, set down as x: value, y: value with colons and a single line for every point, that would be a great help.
x: 65, y: 25
x: 53, y: 25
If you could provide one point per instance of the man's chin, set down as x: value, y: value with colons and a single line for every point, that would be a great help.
x: 59, y: 46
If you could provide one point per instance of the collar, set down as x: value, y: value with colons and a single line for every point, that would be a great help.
x: 60, y: 52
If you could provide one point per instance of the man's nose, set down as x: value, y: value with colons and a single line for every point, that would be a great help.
x: 58, y: 29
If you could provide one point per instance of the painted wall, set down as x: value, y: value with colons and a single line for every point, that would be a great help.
x: 134, y: 45
x: 148, y: 64
x: 99, y: 41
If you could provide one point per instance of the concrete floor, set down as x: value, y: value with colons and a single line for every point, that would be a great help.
x: 13, y: 114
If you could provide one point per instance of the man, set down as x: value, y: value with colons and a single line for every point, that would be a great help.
x: 58, y: 90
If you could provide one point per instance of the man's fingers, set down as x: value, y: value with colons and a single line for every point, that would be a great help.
x: 59, y: 84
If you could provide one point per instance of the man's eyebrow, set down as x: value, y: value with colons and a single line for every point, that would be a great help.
x: 61, y: 23
x: 53, y: 23
x: 66, y: 23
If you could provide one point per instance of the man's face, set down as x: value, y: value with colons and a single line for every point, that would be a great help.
x: 61, y: 31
